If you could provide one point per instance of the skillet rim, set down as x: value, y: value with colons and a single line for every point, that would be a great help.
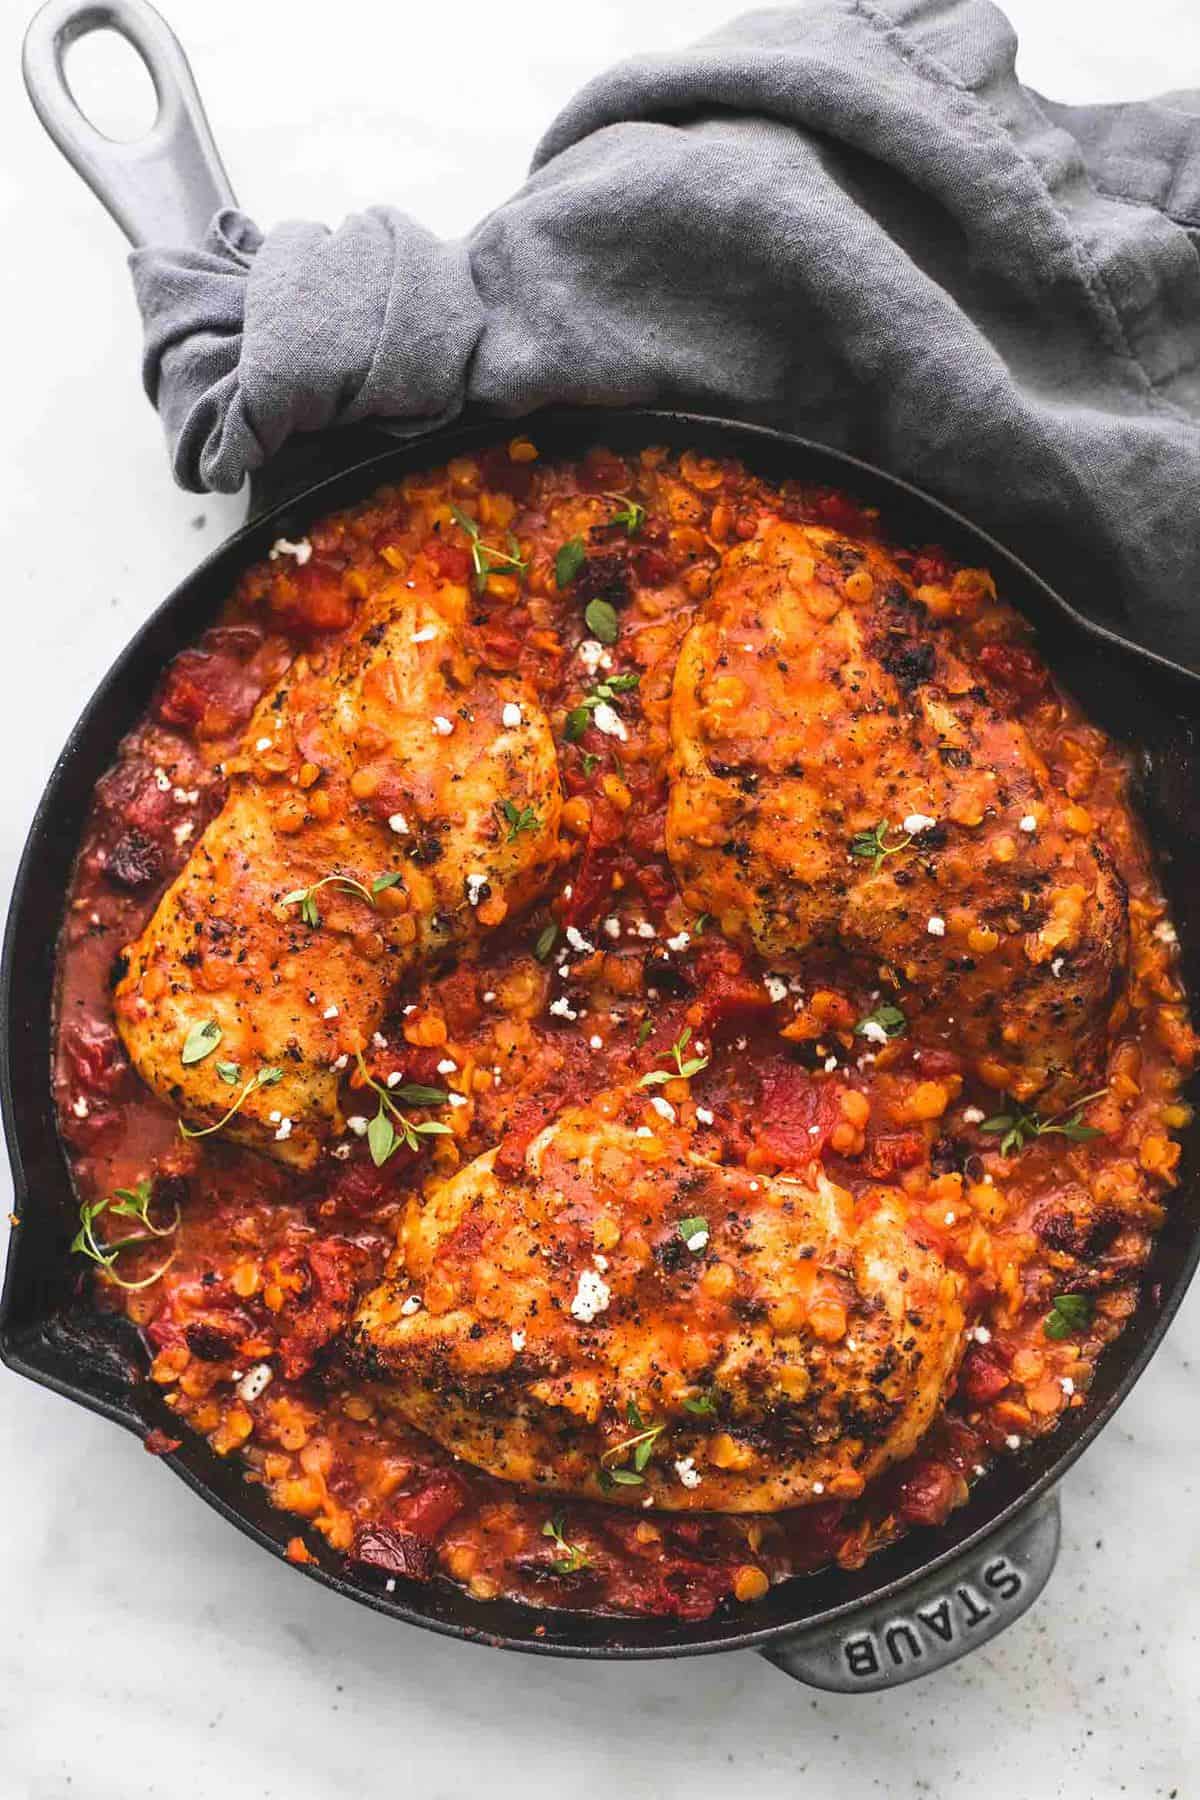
x: 492, y: 1622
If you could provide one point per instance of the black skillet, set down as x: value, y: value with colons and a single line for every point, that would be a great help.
x: 912, y: 1608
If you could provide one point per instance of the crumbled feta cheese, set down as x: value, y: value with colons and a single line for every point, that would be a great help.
x: 186, y: 796
x: 776, y: 989
x: 341, y: 1151
x: 663, y: 1108
x: 273, y: 1118
x: 458, y: 1099
x: 698, y: 1239
x: 601, y: 1262
x: 643, y: 1131
x: 1067, y: 1385
x: 972, y: 1115
x: 595, y: 1043
x: 399, y: 824
x: 873, y: 1031
x: 301, y: 550
x: 331, y: 1012
x: 818, y: 1487
x: 594, y: 656
x: 612, y: 927
x: 578, y: 942
x: 830, y: 1064
x: 1028, y: 823
x: 379, y: 1041
x: 255, y: 1381
x: 980, y: 1334
x: 80, y: 1108
x: 488, y: 997
x: 688, y: 1473
x: 949, y: 1219
x: 411, y: 1305
x: 703, y: 1116
x: 1012, y: 1441
x: 1165, y: 932
x: 608, y: 720
x: 645, y: 929
x: 447, y: 1066
x: 475, y: 886
x: 591, y: 1296
x: 442, y: 727
x: 395, y: 1078
x: 1056, y: 967
x: 426, y: 634
x: 680, y: 941
x: 510, y: 715
x: 936, y: 927
x: 183, y: 832
x: 162, y: 780
x: 284, y: 1132
x: 357, y: 1124
x: 518, y: 1340
x: 341, y: 1061
x: 562, y: 1008
x: 918, y: 822
x: 264, y: 743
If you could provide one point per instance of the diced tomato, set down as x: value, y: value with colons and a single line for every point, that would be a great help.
x: 798, y: 1113
x: 313, y: 1317
x: 729, y: 994
x: 983, y: 1375
x: 893, y: 1150
x: 398, y: 1552
x: 94, y: 1055
x: 210, y: 691
x: 458, y: 998
x: 602, y: 473
x: 431, y: 1508
x: 1011, y: 666
x: 926, y: 1492
x: 450, y: 561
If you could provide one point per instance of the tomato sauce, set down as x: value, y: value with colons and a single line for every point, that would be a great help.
x: 265, y: 1266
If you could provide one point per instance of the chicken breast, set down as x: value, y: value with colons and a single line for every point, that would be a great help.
x: 626, y: 1320
x: 841, y: 777
x: 386, y: 808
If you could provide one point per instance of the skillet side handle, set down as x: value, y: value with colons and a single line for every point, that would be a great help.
x: 165, y: 187
x: 936, y: 1620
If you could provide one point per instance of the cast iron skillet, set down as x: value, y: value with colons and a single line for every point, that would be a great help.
x: 912, y: 1608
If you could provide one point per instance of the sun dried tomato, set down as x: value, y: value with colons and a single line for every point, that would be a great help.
x: 398, y: 1552
x: 134, y: 861
x: 983, y: 1376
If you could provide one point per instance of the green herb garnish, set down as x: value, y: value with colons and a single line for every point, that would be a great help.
x: 260, y: 1079
x: 640, y: 1446
x: 600, y: 617
x: 127, y: 1203
x: 632, y: 514
x: 547, y: 937
x: 570, y: 559
x: 572, y: 1558
x: 694, y: 1232
x: 643, y: 1031
x: 579, y: 717
x: 518, y: 819
x: 228, y: 1072
x: 1020, y: 1127
x: 200, y: 1042
x: 874, y: 847
x: 703, y: 1405
x: 305, y: 898
x: 683, y: 1070
x: 487, y: 559
x: 889, y: 1018
x: 1069, y: 1312
x: 391, y: 1127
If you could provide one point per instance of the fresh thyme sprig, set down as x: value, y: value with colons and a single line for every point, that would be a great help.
x: 126, y: 1203
x: 391, y: 1127
x: 641, y: 1444
x: 517, y: 818
x: 572, y: 1557
x: 873, y: 846
x: 305, y: 898
x: 488, y: 559
x: 261, y: 1078
x: 1021, y: 1127
x: 683, y: 1070
x: 579, y: 718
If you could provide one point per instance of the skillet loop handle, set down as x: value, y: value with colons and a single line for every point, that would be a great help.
x: 165, y: 187
x: 937, y: 1619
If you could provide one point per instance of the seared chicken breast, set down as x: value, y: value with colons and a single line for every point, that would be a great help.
x: 840, y: 776
x: 626, y: 1320
x: 387, y: 806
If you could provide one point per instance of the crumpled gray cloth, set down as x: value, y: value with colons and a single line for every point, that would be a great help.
x: 844, y: 218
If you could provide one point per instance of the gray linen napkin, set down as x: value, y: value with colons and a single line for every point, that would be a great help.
x: 845, y: 218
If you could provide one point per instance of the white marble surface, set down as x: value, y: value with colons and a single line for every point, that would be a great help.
x: 147, y: 1650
